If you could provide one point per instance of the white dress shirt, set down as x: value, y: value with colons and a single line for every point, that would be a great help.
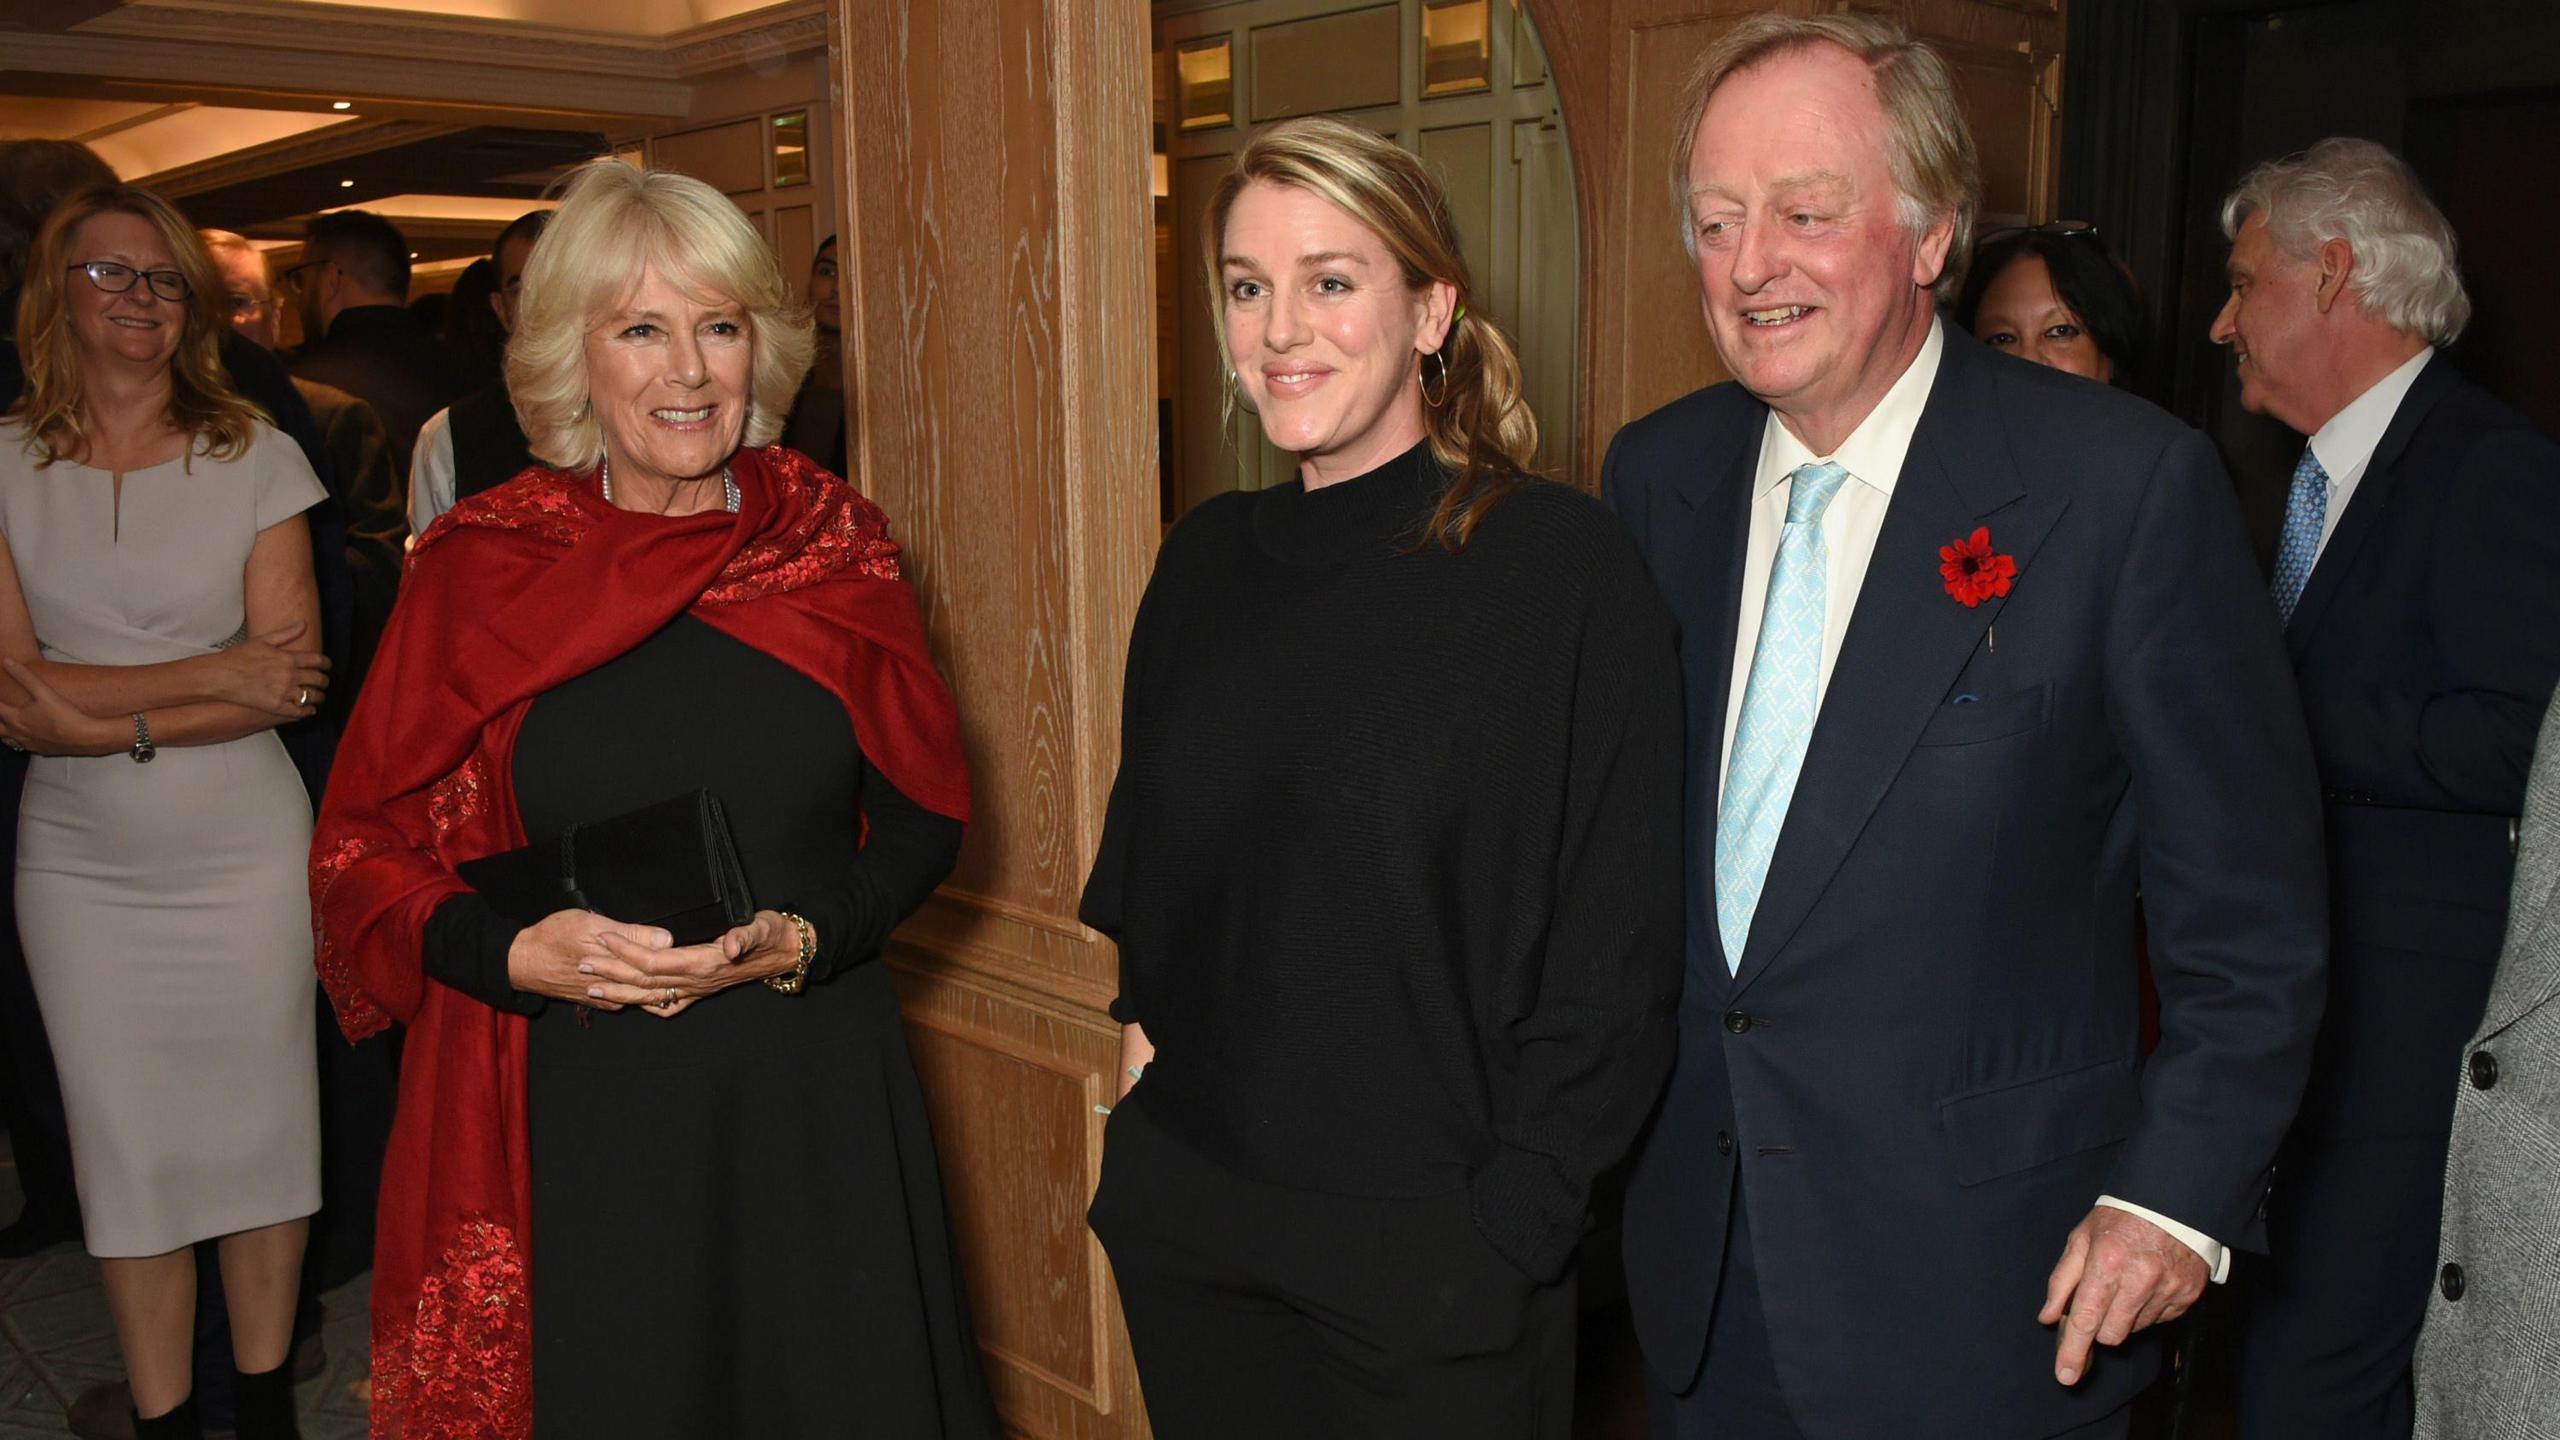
x: 431, y: 473
x: 2346, y: 444
x: 1873, y: 456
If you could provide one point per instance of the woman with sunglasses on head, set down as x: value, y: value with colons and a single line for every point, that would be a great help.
x: 2052, y: 294
x: 155, y: 569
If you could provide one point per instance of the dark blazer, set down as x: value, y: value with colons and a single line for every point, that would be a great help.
x: 381, y: 355
x: 1928, y: 1067
x: 2426, y: 645
x: 361, y: 478
x: 489, y: 446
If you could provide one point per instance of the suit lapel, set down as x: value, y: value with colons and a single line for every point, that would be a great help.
x: 2365, y: 510
x: 2529, y: 968
x: 1715, y: 507
x: 1907, y: 639
x: 2529, y: 965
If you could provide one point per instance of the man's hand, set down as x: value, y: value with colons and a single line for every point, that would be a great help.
x: 2119, y: 1273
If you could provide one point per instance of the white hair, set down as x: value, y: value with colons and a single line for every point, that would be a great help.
x: 2359, y: 192
x: 614, y: 225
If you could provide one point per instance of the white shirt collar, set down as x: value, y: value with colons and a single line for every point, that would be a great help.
x: 2346, y: 444
x: 1874, y: 452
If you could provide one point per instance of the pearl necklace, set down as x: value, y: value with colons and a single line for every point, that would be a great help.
x: 728, y: 487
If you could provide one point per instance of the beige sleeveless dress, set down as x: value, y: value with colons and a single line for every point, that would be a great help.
x: 164, y: 909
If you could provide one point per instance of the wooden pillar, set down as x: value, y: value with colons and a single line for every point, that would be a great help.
x: 999, y: 328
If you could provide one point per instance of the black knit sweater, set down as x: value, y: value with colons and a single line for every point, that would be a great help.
x: 1394, y: 853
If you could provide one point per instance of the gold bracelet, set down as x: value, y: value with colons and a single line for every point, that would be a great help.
x: 798, y: 980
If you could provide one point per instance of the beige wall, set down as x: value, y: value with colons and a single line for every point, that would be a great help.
x: 726, y: 139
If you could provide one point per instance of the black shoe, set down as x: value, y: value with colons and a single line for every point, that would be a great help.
x: 263, y: 1404
x: 178, y: 1424
x: 104, y: 1411
x: 31, y: 1233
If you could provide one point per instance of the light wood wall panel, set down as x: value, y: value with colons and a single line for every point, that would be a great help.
x: 999, y: 329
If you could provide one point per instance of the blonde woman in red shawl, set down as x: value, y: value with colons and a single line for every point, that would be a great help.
x: 637, y: 1188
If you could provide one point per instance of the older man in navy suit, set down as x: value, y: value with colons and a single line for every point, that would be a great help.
x: 1973, y: 649
x: 2419, y: 577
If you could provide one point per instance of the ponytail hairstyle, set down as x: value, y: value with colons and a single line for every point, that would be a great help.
x: 1476, y: 419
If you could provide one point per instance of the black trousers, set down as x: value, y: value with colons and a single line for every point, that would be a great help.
x: 1259, y: 1312
x: 2330, y: 1318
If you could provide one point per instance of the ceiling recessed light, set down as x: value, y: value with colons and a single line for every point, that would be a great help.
x: 342, y: 104
x: 346, y: 184
x: 413, y: 254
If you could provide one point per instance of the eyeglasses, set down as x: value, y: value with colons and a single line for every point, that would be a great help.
x: 292, y: 274
x: 116, y: 279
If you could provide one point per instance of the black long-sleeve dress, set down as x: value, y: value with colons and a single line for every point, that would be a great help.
x: 738, y: 1220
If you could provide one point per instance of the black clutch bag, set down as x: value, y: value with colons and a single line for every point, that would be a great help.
x: 673, y: 865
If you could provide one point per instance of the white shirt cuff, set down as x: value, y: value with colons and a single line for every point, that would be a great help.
x: 2216, y: 1258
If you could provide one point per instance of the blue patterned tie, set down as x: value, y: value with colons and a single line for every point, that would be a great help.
x: 2304, y: 512
x: 1778, y: 705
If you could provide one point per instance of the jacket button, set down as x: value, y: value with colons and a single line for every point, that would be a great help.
x: 2484, y: 1069
x: 1736, y: 1021
x: 2451, y: 1282
x: 1724, y: 1143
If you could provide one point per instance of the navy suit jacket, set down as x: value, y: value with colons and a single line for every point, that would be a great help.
x: 1927, y: 1068
x: 2425, y: 646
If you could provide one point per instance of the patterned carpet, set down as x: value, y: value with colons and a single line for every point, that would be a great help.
x: 56, y: 1341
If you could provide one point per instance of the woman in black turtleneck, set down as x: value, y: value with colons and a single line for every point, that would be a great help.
x: 1393, y: 857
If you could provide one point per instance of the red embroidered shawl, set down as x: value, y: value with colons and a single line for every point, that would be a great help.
x: 511, y: 594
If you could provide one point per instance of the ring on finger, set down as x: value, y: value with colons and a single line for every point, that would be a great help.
x: 302, y: 697
x: 667, y: 998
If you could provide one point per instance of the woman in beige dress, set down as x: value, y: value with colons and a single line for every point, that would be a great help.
x: 157, y: 620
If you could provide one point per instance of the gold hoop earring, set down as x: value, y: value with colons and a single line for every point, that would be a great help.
x: 1428, y: 398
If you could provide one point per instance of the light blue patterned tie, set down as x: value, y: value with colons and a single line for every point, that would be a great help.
x: 2304, y: 512
x: 1778, y: 705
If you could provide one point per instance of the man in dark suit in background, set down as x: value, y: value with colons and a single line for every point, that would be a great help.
x: 477, y: 444
x: 360, y: 471
x: 358, y: 335
x: 1970, y: 646
x: 2419, y: 577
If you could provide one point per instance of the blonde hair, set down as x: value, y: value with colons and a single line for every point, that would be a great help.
x: 614, y: 225
x: 202, y: 399
x: 1928, y: 146
x: 1480, y: 428
x: 2359, y: 192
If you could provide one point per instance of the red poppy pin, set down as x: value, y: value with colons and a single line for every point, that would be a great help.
x: 1974, y: 571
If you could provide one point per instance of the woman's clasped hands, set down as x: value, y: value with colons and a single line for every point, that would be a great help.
x: 586, y: 959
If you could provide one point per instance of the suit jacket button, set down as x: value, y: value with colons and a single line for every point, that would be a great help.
x: 1736, y: 1021
x: 2484, y: 1069
x: 2451, y: 1282
x: 1724, y: 1143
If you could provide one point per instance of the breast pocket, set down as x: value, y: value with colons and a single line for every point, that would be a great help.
x: 1968, y: 719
